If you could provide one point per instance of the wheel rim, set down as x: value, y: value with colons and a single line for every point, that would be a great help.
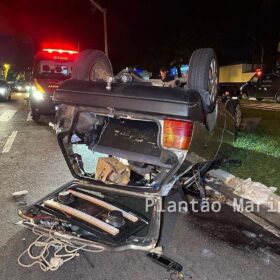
x: 238, y: 115
x: 99, y: 72
x: 278, y: 98
x: 213, y: 80
x: 244, y: 96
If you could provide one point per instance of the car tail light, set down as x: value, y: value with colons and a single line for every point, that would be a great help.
x: 177, y: 134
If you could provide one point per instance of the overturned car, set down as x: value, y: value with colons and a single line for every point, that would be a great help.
x: 126, y: 142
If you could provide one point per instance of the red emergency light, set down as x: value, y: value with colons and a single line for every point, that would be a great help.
x: 60, y: 51
x: 259, y: 72
x: 57, y: 54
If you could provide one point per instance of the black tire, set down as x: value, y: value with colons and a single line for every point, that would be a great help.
x: 234, y: 108
x: 92, y: 65
x: 259, y: 99
x: 10, y: 95
x: 35, y: 115
x: 277, y: 98
x: 204, y: 76
x: 244, y: 96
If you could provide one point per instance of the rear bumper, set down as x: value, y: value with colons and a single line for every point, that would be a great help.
x: 134, y: 99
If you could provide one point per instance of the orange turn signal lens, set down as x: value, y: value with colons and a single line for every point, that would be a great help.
x: 177, y: 134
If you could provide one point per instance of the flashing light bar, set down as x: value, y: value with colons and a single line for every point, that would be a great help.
x: 60, y: 51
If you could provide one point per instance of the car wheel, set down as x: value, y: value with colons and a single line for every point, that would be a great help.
x: 259, y: 99
x: 278, y: 98
x: 238, y: 115
x: 234, y: 108
x: 244, y: 96
x: 92, y: 65
x: 203, y: 76
x: 35, y: 115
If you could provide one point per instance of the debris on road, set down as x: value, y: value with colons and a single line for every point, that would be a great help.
x: 254, y: 191
x: 207, y: 253
x: 249, y: 234
x: 19, y: 195
x: 166, y: 262
x: 50, y: 253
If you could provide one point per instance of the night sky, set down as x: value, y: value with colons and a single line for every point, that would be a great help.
x: 142, y: 32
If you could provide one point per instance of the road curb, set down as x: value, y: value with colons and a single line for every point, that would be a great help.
x: 267, y: 202
x: 249, y: 189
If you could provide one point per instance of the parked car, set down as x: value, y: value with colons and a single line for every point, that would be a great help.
x: 5, y: 91
x: 22, y: 86
x: 128, y: 144
x: 262, y: 86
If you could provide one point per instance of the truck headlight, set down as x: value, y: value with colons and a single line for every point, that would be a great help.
x: 38, y: 95
x: 3, y: 90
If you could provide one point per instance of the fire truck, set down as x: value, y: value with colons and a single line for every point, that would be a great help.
x: 51, y: 67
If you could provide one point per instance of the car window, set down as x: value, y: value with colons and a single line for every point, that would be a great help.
x: 49, y: 69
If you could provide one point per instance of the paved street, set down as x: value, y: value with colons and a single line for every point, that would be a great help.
x: 209, y: 246
x: 265, y: 105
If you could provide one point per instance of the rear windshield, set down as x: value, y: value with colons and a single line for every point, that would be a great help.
x: 116, y: 151
x: 49, y: 69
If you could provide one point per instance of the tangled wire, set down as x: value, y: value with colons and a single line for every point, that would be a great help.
x: 52, y: 252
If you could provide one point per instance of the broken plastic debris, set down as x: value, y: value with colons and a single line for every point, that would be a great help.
x: 19, y: 195
x: 257, y: 192
x: 207, y: 253
x: 249, y: 234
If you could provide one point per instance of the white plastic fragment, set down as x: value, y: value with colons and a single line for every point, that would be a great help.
x: 207, y: 253
x: 249, y: 234
x: 20, y: 193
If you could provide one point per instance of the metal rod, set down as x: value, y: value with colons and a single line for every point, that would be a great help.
x: 105, y: 32
x: 97, y: 6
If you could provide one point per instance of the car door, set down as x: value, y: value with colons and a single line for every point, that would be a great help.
x: 266, y: 86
